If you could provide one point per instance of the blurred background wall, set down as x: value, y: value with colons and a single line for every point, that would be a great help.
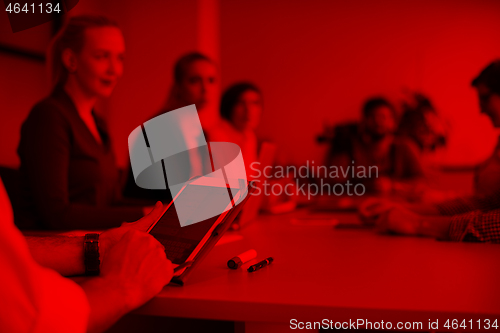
x: 316, y: 62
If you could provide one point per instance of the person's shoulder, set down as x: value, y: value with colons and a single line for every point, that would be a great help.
x: 224, y: 124
x: 49, y: 107
x: 347, y: 129
x: 345, y: 136
x: 49, y: 114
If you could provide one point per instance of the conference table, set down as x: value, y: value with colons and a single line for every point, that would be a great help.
x: 341, y: 273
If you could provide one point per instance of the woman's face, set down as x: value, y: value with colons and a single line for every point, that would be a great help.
x: 199, y: 85
x: 489, y: 103
x: 99, y: 64
x: 247, y: 111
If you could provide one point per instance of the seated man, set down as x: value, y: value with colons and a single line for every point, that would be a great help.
x: 372, y: 143
x: 36, y: 298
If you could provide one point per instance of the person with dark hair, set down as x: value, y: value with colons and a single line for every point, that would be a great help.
x: 182, y: 67
x: 421, y: 124
x: 240, y: 109
x: 241, y: 104
x: 424, y: 132
x: 371, y: 143
x: 69, y: 176
x: 475, y: 218
x: 487, y: 85
x: 374, y: 105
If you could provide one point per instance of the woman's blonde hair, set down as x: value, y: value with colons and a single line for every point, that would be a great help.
x: 71, y: 36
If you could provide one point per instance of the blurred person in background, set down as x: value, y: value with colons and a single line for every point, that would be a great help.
x: 423, y: 131
x: 240, y: 111
x: 195, y: 81
x: 487, y: 84
x: 467, y: 218
x: 69, y: 176
x: 422, y: 126
x: 241, y: 108
x: 372, y: 142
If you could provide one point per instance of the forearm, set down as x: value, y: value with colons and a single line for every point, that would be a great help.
x: 78, y: 216
x: 107, y: 303
x: 476, y: 226
x: 63, y: 254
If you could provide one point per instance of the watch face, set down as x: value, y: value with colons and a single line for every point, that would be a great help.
x: 91, y: 254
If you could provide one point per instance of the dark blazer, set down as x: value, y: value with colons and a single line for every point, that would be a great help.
x: 69, y: 180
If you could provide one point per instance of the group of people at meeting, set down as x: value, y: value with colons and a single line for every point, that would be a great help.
x: 70, y: 180
x: 396, y: 146
x: 64, y: 140
x: 473, y: 218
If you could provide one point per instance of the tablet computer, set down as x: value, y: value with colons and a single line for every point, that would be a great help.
x: 187, y: 246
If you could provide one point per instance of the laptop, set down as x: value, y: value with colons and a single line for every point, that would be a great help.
x: 254, y: 205
x: 187, y: 246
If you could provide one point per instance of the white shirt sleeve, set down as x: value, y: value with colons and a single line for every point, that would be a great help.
x: 34, y: 298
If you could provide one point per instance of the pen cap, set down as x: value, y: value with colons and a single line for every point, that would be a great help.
x: 234, y: 263
x: 240, y: 259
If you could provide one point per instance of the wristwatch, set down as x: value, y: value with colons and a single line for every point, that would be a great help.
x: 91, y: 254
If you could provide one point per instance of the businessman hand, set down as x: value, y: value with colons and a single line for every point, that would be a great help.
x: 372, y: 209
x: 399, y: 220
x: 383, y: 185
x: 152, y: 214
x: 135, y: 259
x: 138, y: 265
x: 134, y: 268
x: 112, y: 236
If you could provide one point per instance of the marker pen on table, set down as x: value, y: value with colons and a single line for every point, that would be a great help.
x: 260, y: 265
x: 240, y: 259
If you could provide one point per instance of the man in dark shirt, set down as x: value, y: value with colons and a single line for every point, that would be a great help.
x: 371, y: 143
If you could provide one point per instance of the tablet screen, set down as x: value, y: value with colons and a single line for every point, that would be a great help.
x: 183, y: 243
